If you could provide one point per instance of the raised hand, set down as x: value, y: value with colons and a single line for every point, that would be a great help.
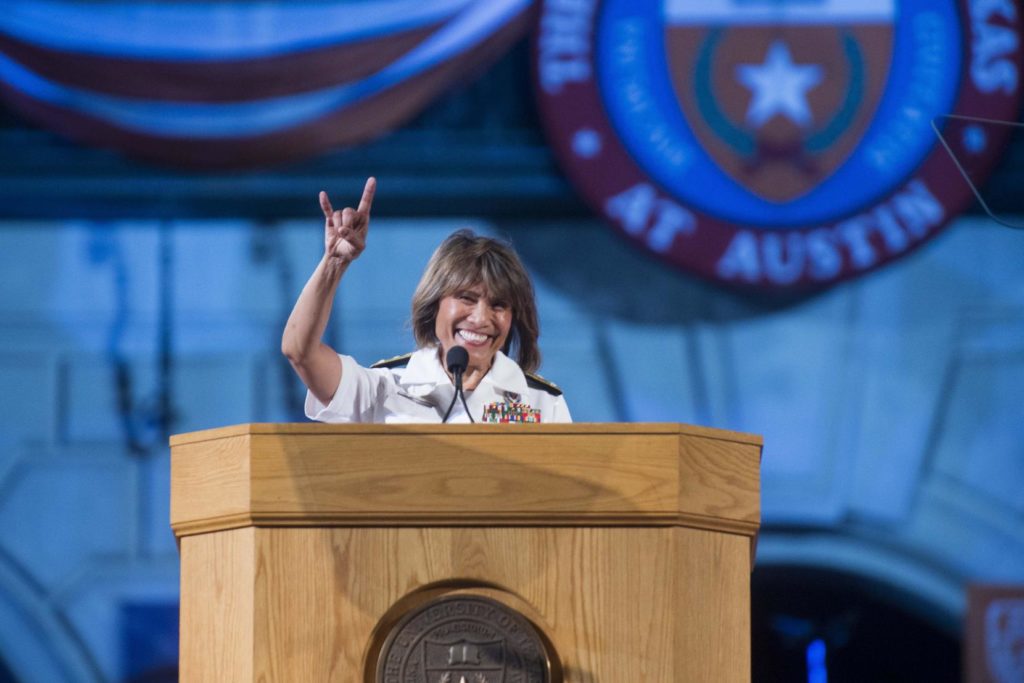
x: 345, y: 230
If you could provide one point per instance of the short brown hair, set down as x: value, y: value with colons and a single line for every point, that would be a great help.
x: 466, y: 259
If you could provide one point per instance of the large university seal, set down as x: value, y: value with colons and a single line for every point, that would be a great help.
x: 463, y: 639
x: 774, y: 143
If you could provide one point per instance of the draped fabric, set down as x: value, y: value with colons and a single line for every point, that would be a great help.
x: 211, y: 84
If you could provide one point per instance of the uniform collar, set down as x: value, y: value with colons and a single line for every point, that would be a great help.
x: 506, y: 375
x: 424, y: 369
x: 425, y: 372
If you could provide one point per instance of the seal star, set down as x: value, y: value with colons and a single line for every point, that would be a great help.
x: 779, y: 86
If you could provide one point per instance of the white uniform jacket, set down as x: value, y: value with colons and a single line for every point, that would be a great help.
x: 415, y: 388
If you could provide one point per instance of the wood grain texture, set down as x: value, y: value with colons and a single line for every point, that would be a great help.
x: 716, y: 587
x: 211, y: 479
x: 618, y: 604
x: 720, y: 479
x: 472, y: 475
x: 218, y: 576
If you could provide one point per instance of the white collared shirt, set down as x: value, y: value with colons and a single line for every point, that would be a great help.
x: 421, y: 391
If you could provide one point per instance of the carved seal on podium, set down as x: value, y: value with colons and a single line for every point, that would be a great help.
x: 464, y: 638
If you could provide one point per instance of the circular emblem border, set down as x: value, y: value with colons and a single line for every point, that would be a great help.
x: 802, y: 257
x: 406, y: 636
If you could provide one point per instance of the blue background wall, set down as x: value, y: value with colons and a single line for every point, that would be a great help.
x: 890, y: 406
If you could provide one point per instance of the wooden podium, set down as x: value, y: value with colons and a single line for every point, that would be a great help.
x: 628, y: 546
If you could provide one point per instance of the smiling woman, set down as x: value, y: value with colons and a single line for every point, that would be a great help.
x: 475, y: 293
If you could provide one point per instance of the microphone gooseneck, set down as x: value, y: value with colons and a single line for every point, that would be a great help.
x: 457, y: 359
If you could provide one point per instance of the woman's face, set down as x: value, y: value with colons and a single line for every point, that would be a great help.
x: 470, y: 318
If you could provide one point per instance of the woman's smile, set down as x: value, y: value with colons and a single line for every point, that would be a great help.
x: 471, y: 337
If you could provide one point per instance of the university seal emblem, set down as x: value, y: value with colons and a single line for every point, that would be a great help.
x: 774, y: 143
x: 463, y: 639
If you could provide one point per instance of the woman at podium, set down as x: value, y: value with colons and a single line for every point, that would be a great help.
x: 475, y: 294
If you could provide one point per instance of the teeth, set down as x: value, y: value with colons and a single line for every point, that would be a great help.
x: 472, y: 336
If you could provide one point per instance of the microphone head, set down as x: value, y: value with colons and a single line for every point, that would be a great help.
x: 457, y: 359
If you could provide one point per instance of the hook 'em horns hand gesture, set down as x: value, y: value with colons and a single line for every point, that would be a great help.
x: 345, y: 230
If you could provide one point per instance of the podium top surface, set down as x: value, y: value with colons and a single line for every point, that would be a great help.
x: 576, y: 428
x: 312, y: 474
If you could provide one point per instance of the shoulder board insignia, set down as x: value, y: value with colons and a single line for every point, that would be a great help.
x: 396, y: 362
x: 537, y: 382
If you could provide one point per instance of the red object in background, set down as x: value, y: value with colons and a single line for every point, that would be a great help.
x: 994, y: 634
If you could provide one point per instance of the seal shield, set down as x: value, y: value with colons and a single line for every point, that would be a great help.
x: 779, y: 100
x: 474, y: 661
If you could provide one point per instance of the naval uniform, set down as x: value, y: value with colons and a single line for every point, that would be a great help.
x: 415, y: 389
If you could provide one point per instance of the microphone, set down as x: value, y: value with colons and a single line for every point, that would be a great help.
x: 457, y: 359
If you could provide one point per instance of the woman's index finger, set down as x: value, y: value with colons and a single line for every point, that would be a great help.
x: 368, y: 192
